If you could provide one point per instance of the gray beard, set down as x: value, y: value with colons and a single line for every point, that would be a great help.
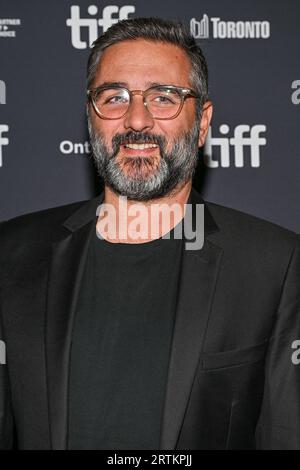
x: 175, y: 168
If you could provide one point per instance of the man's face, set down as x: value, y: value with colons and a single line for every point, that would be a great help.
x: 148, y: 173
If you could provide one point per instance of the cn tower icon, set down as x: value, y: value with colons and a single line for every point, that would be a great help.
x: 200, y: 29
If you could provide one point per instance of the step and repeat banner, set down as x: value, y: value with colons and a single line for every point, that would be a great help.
x: 251, y: 160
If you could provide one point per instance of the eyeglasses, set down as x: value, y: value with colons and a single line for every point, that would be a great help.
x: 162, y: 101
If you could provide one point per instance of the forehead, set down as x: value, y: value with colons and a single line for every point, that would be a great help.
x: 139, y: 62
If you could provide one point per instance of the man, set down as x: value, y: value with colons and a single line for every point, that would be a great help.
x: 118, y: 336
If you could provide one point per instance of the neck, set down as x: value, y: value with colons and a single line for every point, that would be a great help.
x: 129, y: 221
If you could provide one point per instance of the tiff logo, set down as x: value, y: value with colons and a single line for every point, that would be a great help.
x: 2, y: 92
x: 2, y: 352
x: 239, y: 141
x: 76, y: 23
x: 3, y: 140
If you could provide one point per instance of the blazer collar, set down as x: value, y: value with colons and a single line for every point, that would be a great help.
x: 87, y: 212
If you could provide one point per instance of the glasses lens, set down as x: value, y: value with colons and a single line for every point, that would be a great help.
x: 112, y: 102
x: 163, y: 102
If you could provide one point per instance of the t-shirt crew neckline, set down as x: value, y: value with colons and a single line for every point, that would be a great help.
x: 137, y: 247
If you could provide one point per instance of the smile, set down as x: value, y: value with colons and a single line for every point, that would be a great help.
x: 140, y: 146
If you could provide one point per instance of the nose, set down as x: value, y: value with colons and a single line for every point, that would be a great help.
x: 138, y: 117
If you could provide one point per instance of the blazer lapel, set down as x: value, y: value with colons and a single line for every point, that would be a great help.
x: 65, y: 274
x: 198, y: 280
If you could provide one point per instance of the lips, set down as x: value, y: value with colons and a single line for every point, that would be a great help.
x: 138, y: 143
x: 140, y: 146
x: 143, y: 149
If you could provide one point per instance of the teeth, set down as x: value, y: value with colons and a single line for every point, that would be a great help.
x: 141, y: 146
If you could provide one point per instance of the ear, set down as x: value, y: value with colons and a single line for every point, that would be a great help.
x: 207, y: 111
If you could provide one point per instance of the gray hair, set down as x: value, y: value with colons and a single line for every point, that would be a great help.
x: 157, y: 30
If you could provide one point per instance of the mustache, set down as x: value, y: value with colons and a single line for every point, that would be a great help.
x: 137, y: 138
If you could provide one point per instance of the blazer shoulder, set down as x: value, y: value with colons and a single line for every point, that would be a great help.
x: 243, y: 228
x: 36, y: 226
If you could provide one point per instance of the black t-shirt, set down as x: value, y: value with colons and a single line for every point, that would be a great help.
x: 121, y: 344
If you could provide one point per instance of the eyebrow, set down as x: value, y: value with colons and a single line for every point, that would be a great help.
x: 126, y: 85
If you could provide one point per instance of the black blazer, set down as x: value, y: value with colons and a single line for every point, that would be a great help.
x: 233, y: 381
